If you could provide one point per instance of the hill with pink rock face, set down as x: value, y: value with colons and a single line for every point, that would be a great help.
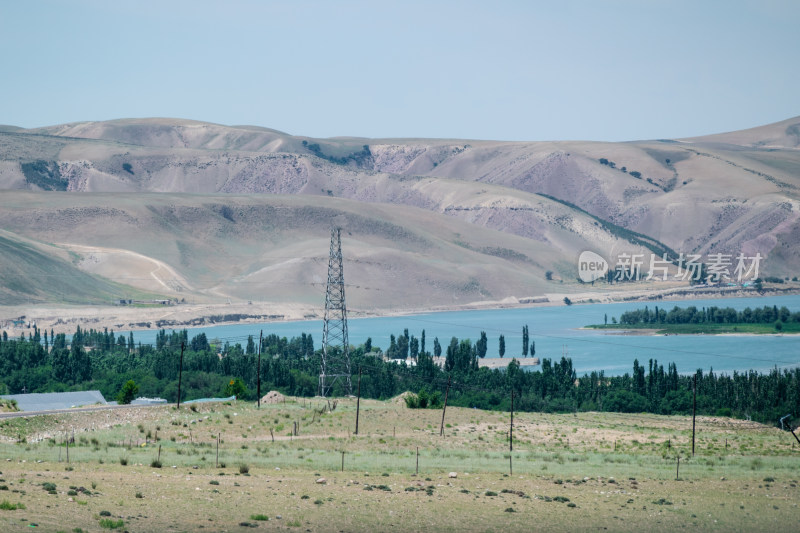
x: 214, y: 213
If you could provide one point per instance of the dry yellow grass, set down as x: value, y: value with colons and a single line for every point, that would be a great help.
x: 567, y: 474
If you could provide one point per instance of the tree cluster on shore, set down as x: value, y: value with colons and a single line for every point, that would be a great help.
x: 105, y: 361
x: 709, y: 315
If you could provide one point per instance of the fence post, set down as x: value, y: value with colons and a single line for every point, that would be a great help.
x: 694, y: 408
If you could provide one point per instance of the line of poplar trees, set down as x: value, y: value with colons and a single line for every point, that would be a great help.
x: 92, y: 359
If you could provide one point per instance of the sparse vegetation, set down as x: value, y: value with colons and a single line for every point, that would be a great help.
x: 110, y: 523
x: 360, y: 159
x: 45, y: 175
x: 543, y: 460
x: 658, y: 248
x: 6, y: 505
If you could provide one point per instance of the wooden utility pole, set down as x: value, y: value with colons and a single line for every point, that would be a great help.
x: 694, y: 408
x: 444, y: 409
x: 358, y: 399
x: 511, y: 428
x: 258, y: 370
x: 180, y: 375
x: 795, y: 435
x: 511, y: 437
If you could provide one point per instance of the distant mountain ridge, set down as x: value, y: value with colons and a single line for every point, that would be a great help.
x: 520, y: 208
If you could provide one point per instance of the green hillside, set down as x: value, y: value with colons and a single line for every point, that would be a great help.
x: 30, y: 273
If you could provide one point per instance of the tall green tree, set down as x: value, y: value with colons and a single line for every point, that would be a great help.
x: 502, y: 345
x: 80, y: 364
x: 525, y: 341
x: 128, y: 392
x: 414, y: 348
x: 482, y: 345
x: 452, y: 353
x: 251, y: 346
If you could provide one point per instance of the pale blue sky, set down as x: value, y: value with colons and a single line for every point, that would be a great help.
x: 508, y: 70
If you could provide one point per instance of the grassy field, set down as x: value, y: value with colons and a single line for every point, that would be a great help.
x: 705, y: 329
x: 570, y: 472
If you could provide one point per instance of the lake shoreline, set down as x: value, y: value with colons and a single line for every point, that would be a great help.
x: 555, y: 331
x: 65, y: 319
x: 648, y: 332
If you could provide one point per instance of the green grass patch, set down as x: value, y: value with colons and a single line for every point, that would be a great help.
x: 110, y: 523
x: 6, y: 505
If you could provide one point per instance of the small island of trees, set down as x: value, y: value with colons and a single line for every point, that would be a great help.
x: 691, y: 320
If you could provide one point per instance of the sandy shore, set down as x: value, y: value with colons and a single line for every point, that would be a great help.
x: 65, y: 319
x: 627, y: 332
x: 657, y: 333
x: 502, y: 362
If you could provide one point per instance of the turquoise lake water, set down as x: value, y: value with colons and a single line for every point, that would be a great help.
x: 555, y: 331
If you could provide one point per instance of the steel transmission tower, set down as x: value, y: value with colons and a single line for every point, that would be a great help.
x: 335, y: 345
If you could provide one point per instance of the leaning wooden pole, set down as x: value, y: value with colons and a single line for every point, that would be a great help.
x: 358, y: 400
x: 180, y: 375
x: 795, y: 435
x: 444, y: 409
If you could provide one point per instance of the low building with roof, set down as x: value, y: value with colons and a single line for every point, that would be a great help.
x: 48, y: 401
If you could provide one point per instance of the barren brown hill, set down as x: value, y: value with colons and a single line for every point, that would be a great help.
x: 180, y: 208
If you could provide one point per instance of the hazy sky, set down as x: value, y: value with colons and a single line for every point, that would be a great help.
x: 497, y: 69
